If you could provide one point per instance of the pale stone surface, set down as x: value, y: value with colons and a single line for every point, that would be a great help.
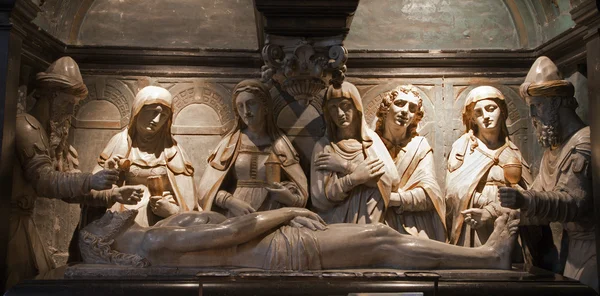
x: 282, y: 239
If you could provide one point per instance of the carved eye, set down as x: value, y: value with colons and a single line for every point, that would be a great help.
x: 345, y: 106
x: 490, y: 108
x: 412, y: 107
x: 400, y: 103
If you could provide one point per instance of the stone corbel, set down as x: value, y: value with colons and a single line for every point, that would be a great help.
x: 304, y: 66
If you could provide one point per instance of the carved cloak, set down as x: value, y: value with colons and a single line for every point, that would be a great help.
x: 180, y: 170
x: 469, y: 166
x: 416, y: 170
x: 372, y: 148
x: 222, y: 159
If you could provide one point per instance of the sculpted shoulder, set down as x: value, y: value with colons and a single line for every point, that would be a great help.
x: 31, y: 138
x: 459, y: 150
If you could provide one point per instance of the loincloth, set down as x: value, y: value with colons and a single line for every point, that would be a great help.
x: 293, y: 248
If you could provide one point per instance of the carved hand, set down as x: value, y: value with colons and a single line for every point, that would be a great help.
x: 238, y: 207
x: 309, y: 223
x: 476, y: 217
x: 104, y: 179
x: 282, y: 194
x: 511, y: 198
x: 301, y: 212
x: 163, y: 206
x: 128, y: 195
x: 368, y: 170
x: 331, y: 162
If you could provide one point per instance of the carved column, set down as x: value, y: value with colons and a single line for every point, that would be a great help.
x: 12, y: 16
x: 587, y: 13
x: 303, y: 48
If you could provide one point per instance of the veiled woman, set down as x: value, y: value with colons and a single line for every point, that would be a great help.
x: 240, y: 176
x: 475, y: 168
x: 352, y: 174
x: 148, y: 144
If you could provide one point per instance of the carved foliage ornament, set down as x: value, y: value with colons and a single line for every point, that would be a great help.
x: 303, y: 67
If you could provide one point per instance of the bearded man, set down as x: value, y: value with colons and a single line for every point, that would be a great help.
x: 562, y: 192
x: 48, y: 167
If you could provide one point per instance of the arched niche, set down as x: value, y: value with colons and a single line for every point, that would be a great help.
x: 98, y: 115
x: 210, y: 110
x: 201, y: 115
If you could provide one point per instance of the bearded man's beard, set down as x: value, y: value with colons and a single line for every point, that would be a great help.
x: 59, y: 136
x: 548, y: 133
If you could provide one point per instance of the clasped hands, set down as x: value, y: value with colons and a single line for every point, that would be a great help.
x: 368, y: 172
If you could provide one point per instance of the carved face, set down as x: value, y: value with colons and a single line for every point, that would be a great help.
x: 545, y: 119
x: 487, y: 115
x: 151, y: 119
x: 251, y: 109
x: 403, y: 109
x: 342, y: 111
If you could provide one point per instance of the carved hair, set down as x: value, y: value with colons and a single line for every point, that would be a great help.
x: 388, y: 100
x: 96, y: 247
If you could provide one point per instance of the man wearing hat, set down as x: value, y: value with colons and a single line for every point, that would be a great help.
x: 562, y: 192
x: 48, y: 166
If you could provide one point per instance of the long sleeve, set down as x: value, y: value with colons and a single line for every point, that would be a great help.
x: 327, y: 188
x: 69, y: 187
x: 415, y: 200
x: 571, y: 198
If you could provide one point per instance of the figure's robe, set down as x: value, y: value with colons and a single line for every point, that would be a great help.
x: 426, y: 209
x: 179, y: 172
x: 563, y: 193
x: 222, y: 161
x: 334, y: 199
x: 467, y: 186
x: 36, y: 175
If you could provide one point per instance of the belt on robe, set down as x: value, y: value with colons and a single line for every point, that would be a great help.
x: 252, y: 183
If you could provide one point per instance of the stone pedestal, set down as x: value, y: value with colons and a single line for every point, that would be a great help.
x: 109, y: 280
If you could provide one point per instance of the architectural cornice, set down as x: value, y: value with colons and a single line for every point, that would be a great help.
x: 39, y: 47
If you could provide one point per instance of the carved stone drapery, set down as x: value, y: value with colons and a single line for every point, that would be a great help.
x: 303, y: 67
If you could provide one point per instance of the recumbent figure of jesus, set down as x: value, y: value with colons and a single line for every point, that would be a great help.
x: 281, y: 239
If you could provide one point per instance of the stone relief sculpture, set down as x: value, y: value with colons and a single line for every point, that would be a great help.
x: 147, y: 154
x: 264, y: 240
x: 48, y: 167
x: 476, y: 168
x: 418, y: 205
x: 254, y: 167
x: 562, y: 191
x: 352, y: 174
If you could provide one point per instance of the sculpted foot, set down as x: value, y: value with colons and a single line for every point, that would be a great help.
x: 502, y: 240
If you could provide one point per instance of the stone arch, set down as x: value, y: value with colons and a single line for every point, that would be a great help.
x: 102, y: 91
x: 188, y: 95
